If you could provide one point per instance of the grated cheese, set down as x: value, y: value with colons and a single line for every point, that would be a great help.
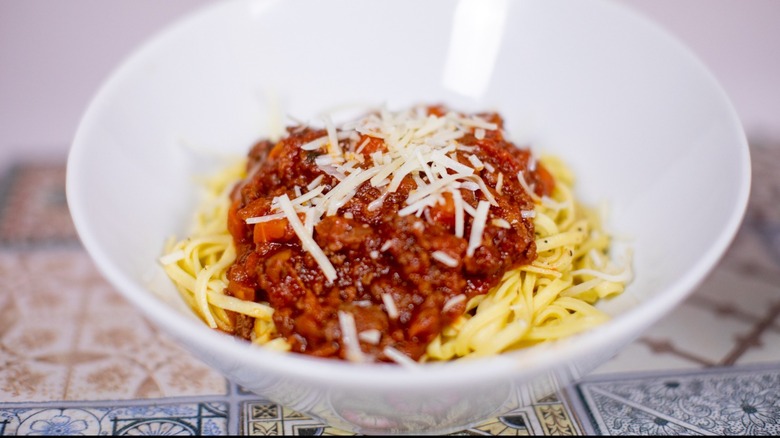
x: 392, y: 311
x: 449, y: 304
x: 469, y: 185
x: 266, y: 218
x: 315, y: 144
x: 362, y: 145
x: 376, y: 203
x: 315, y: 182
x: 476, y: 162
x: 445, y: 259
x: 416, y: 144
x: 457, y: 200
x: 478, y: 227
x: 371, y: 336
x: 349, y: 337
x: 501, y: 223
x: 333, y: 142
x: 469, y: 209
x: 521, y: 179
x: 400, y: 358
x: 306, y: 239
x: 301, y: 199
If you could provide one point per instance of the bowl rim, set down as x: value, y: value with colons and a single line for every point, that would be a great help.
x: 512, y: 365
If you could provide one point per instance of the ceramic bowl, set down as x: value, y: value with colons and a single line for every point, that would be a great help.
x: 643, y: 124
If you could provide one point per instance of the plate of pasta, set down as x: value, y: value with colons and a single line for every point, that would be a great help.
x: 397, y: 224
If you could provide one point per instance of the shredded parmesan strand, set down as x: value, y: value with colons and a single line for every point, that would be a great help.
x: 478, y: 227
x: 349, y: 337
x: 315, y: 144
x: 417, y: 144
x: 266, y: 218
x: 501, y: 223
x: 445, y: 259
x: 333, y: 142
x: 521, y: 179
x: 400, y: 358
x: 392, y: 310
x: 457, y: 200
x: 452, y: 302
x: 372, y: 336
x: 306, y: 239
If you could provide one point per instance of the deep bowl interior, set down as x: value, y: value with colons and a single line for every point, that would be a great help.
x: 642, y: 123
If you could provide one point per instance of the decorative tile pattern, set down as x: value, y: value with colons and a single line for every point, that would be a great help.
x: 76, y: 358
x: 267, y: 418
x: 261, y: 417
x: 719, y: 401
x: 34, y: 210
x: 67, y: 335
x: 189, y: 419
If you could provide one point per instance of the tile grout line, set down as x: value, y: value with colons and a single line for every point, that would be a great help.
x: 752, y: 338
x: 669, y: 348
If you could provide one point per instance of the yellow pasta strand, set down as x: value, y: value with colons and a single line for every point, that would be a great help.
x: 549, y: 299
x: 546, y: 300
x: 198, y: 265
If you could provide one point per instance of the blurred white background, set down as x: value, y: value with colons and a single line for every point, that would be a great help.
x: 55, y: 54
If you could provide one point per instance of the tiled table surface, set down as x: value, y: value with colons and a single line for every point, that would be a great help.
x: 75, y: 358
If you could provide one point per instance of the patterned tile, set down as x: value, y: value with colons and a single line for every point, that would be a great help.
x: 34, y: 208
x: 75, y: 357
x: 555, y: 420
x: 719, y: 401
x: 68, y: 335
x: 262, y: 417
x: 188, y: 419
x: 266, y: 418
x: 517, y: 423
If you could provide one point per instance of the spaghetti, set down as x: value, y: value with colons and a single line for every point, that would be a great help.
x: 552, y: 297
x: 515, y: 260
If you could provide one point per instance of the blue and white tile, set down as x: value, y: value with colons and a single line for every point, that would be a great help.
x: 719, y: 401
x: 186, y: 419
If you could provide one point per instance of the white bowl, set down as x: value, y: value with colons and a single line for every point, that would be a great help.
x: 639, y: 119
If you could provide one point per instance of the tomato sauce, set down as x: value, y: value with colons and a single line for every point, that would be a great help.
x: 376, y: 252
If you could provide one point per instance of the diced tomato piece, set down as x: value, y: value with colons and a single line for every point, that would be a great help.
x: 546, y: 181
x: 444, y: 213
x: 276, y: 150
x: 235, y: 223
x: 270, y: 231
x: 374, y: 144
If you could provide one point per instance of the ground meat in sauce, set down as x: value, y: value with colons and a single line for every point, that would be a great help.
x: 375, y: 252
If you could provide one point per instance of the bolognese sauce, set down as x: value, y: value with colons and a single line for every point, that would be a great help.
x: 372, y: 236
